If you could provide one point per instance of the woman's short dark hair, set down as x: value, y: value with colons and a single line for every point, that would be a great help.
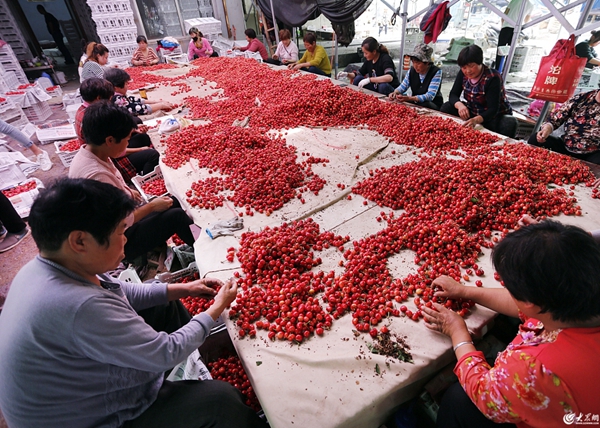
x: 117, y: 77
x: 470, y: 54
x: 594, y: 37
x: 250, y: 33
x: 553, y: 266
x: 141, y: 38
x: 372, y: 45
x: 284, y: 34
x: 310, y: 38
x: 93, y: 88
x: 77, y: 204
x: 103, y: 119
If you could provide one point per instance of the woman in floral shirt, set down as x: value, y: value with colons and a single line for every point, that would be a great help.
x: 548, y: 375
x: 136, y: 106
x: 581, y: 140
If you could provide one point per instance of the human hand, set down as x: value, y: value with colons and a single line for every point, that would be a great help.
x: 162, y: 203
x: 543, y: 133
x: 226, y: 294
x: 364, y: 82
x: 275, y: 56
x: 442, y: 319
x: 394, y: 96
x: 205, y: 287
x: 450, y: 288
x: 142, y: 129
x: 526, y: 220
x: 164, y: 105
x: 137, y: 197
x: 463, y: 111
x: 472, y: 122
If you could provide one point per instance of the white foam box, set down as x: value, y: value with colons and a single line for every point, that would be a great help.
x: 64, y: 132
x: 10, y: 175
x: 72, y: 98
x: 65, y: 157
x: 71, y: 110
x: 23, y: 201
x: 140, y: 180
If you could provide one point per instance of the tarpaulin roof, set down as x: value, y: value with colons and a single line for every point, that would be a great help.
x: 296, y: 13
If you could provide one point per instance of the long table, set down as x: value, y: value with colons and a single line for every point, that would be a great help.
x: 334, y: 380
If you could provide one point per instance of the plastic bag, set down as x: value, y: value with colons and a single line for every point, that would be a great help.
x: 559, y: 73
x: 169, y: 125
x: 192, y: 368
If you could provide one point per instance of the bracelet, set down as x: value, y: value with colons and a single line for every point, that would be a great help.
x: 458, y: 345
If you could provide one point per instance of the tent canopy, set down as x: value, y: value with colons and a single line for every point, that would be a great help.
x: 296, y: 13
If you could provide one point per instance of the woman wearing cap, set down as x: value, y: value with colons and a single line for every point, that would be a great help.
x: 144, y: 55
x: 199, y: 46
x: 485, y: 100
x: 424, y: 80
x: 378, y: 72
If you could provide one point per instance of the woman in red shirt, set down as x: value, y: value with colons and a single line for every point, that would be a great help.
x: 254, y: 45
x: 548, y: 375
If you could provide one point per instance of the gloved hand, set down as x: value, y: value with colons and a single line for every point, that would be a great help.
x: 364, y: 82
x: 342, y: 75
x: 225, y: 227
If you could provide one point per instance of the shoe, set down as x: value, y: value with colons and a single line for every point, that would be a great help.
x: 11, y: 240
x: 44, y: 160
x: 3, y: 232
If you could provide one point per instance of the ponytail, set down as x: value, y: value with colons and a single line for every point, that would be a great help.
x: 372, y: 45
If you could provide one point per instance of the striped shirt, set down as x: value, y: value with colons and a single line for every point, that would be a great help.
x: 433, y: 86
x: 148, y: 56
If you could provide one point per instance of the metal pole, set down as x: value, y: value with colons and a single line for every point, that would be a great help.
x: 403, y: 39
x: 542, y: 118
x: 336, y: 55
x: 584, y: 14
x: 513, y: 42
x: 274, y: 24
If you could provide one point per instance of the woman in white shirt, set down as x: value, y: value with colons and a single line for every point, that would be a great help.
x: 287, y: 52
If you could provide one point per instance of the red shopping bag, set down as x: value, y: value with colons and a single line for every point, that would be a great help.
x: 559, y: 73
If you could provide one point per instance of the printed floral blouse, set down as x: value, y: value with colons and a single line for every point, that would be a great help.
x: 133, y: 105
x: 520, y: 388
x: 581, y: 117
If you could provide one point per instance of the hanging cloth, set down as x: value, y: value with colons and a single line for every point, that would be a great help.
x: 435, y: 21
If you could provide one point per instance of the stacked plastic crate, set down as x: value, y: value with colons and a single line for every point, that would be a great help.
x: 116, y: 28
x: 210, y: 27
x: 11, y: 77
x: 12, y: 113
x: 12, y: 34
x: 10, y: 63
